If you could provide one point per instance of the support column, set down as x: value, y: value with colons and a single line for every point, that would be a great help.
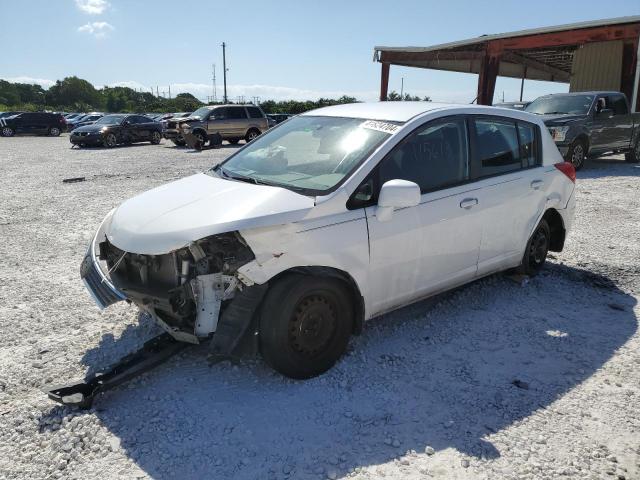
x: 487, y: 77
x: 384, y: 81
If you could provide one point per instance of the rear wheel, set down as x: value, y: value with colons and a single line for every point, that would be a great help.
x: 577, y: 153
x: 54, y: 131
x: 110, y: 140
x: 634, y: 155
x: 537, y: 248
x: 7, y: 132
x: 305, y: 324
x: 252, y: 135
x: 234, y: 141
x: 155, y: 138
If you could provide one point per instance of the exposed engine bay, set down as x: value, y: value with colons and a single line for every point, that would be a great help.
x: 185, y: 290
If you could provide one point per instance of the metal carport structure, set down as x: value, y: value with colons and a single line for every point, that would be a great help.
x: 596, y: 55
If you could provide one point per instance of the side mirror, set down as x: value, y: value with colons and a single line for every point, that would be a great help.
x: 605, y: 113
x: 396, y: 194
x: 126, y: 123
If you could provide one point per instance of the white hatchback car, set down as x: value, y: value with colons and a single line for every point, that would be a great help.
x: 331, y: 218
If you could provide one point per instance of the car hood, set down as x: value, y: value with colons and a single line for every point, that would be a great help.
x: 172, y: 216
x: 561, y: 119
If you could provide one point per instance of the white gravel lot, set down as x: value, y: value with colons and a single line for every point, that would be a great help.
x: 496, y: 380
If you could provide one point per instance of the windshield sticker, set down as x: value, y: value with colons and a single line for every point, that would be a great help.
x: 381, y: 126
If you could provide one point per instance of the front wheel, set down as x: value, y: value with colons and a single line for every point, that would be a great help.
x: 577, y: 153
x: 634, y: 155
x: 537, y: 248
x: 252, y: 135
x: 110, y: 140
x: 155, y: 138
x: 8, y: 132
x: 305, y: 325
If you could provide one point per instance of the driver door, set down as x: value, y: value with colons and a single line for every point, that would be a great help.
x: 433, y: 246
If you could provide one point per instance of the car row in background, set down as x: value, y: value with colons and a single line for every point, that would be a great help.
x: 82, y: 120
x: 276, y: 118
x: 116, y: 129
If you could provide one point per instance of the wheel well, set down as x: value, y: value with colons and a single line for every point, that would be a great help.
x: 350, y: 283
x: 556, y: 225
x: 200, y: 130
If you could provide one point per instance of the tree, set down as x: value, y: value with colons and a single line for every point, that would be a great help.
x: 71, y: 91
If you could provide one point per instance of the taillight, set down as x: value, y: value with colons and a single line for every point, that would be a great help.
x: 568, y: 169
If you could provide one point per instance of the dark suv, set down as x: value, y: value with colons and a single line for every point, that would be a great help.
x: 38, y: 123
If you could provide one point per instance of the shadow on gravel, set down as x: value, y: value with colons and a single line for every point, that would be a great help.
x: 608, y: 167
x: 445, y: 373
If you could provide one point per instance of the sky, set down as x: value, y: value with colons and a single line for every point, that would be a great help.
x: 275, y: 50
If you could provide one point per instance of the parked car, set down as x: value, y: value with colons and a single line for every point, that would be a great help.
x: 228, y: 122
x: 115, y: 129
x: 276, y: 118
x: 333, y: 218
x: 589, y: 124
x: 513, y: 105
x: 32, y: 123
x: 84, y: 120
x: 73, y: 116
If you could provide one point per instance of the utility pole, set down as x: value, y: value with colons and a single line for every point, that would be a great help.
x: 157, y: 92
x: 402, y: 89
x: 224, y: 69
x: 169, y: 92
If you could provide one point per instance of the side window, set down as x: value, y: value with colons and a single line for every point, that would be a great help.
x: 528, y: 145
x: 219, y: 113
x: 236, y: 113
x: 618, y: 104
x: 434, y: 156
x: 254, y: 112
x: 497, y: 148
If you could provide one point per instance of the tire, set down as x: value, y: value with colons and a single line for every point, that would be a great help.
x: 155, y: 138
x: 252, y: 134
x: 305, y: 324
x: 8, y: 132
x: 234, y: 141
x: 110, y: 140
x: 54, y: 132
x: 577, y: 153
x: 202, y: 138
x: 179, y: 143
x: 634, y: 155
x: 535, y: 254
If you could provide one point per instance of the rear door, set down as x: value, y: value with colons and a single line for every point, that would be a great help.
x: 434, y: 245
x: 142, y: 127
x: 238, y: 121
x: 622, y: 121
x: 219, y: 122
x: 511, y: 187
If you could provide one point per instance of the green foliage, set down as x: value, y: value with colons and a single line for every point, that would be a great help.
x: 73, y: 94
x: 394, y: 96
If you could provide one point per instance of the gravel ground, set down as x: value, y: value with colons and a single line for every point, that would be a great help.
x: 495, y: 380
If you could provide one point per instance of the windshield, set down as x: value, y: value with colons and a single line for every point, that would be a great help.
x: 201, y: 112
x: 111, y: 120
x: 308, y: 154
x: 558, y: 104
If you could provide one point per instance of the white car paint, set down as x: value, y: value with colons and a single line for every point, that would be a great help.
x: 450, y: 237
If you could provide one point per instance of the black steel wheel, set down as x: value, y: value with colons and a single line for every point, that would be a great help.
x: 537, y: 249
x: 305, y: 324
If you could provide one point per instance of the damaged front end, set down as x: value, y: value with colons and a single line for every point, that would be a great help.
x: 185, y: 290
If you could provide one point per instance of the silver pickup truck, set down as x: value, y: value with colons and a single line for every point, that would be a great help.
x: 219, y: 122
x: 589, y: 124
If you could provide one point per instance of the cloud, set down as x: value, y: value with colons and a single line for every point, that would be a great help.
x: 97, y: 29
x: 45, y: 83
x: 92, y: 7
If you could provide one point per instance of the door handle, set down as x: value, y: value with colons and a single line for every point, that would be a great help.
x: 536, y: 184
x: 467, y: 203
